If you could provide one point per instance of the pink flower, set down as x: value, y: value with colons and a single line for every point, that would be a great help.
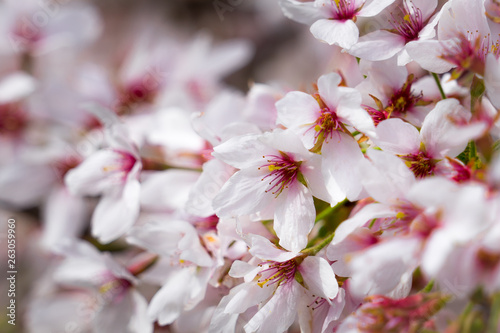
x: 277, y: 178
x: 114, y: 174
x: 333, y: 21
x: 322, y: 122
x: 275, y: 286
x: 412, y: 23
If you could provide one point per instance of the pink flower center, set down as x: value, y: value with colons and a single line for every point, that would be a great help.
x: 344, y: 9
x: 327, y: 123
x: 469, y: 51
x: 277, y: 273
x: 283, y: 172
x: 113, y: 289
x: 122, y: 165
x: 410, y: 23
x: 12, y: 120
x: 420, y: 163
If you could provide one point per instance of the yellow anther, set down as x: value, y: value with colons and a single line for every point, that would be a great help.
x: 407, y: 18
x: 273, y: 167
x: 317, y: 128
x: 400, y: 215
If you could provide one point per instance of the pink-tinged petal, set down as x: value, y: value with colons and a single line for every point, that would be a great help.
x: 294, y: 218
x: 378, y: 45
x: 319, y: 277
x: 461, y: 16
x: 441, y: 136
x: 221, y: 321
x: 65, y: 216
x: 215, y: 174
x: 426, y: 7
x: 397, y: 137
x: 384, y: 76
x: 341, y: 253
x: 314, y: 178
x: 280, y: 303
x: 492, y: 79
x: 387, y: 178
x: 384, y: 267
x: 342, y: 161
x: 428, y: 53
x: 373, y: 7
x: 263, y: 249
x: 243, y: 194
x: 245, y: 296
x: 358, y: 118
x: 101, y: 171
x: 297, y: 109
x: 116, y: 212
x: 168, y: 303
x: 365, y: 215
x: 328, y: 88
x: 242, y: 269
x: 128, y: 316
x: 242, y: 152
x: 157, y: 189
x: 437, y: 249
x: 303, y: 12
x: 286, y: 141
x: 343, y: 33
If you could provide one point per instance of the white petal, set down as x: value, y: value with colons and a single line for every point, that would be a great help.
x: 116, y: 213
x: 243, y: 194
x: 319, y: 277
x: 342, y: 160
x: 294, y: 218
x: 303, y: 12
x: 157, y: 189
x: 373, y: 7
x: 265, y: 320
x: 297, y: 109
x: 343, y: 33
x: 428, y: 54
x: 397, y: 137
x: 378, y: 45
x: 362, y: 217
x: 263, y: 249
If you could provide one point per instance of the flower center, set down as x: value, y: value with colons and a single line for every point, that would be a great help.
x: 403, y: 99
x: 345, y: 9
x: 276, y: 273
x: 469, y: 51
x: 420, y: 163
x: 114, y: 289
x: 411, y: 24
x: 12, y: 120
x: 283, y: 171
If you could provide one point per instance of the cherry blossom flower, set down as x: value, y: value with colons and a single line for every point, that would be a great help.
x: 321, y: 122
x: 333, y: 21
x: 412, y: 23
x: 277, y: 178
x: 113, y: 173
x: 273, y: 285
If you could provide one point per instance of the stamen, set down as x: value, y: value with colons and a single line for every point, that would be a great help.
x: 277, y: 273
x: 283, y: 172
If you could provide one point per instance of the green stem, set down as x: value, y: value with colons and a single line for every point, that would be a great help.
x: 438, y: 82
x: 328, y: 211
x: 312, y: 251
x: 428, y: 287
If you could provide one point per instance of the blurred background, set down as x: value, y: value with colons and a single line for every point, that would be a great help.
x: 56, y: 55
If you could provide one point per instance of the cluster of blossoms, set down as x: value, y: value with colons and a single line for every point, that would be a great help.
x: 367, y: 201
